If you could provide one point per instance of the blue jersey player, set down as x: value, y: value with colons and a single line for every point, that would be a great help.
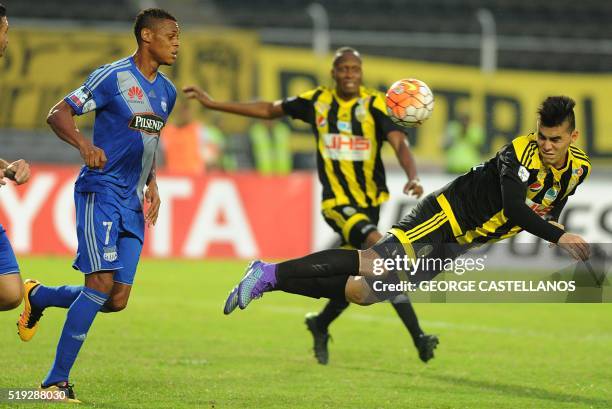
x: 11, y: 287
x: 132, y: 101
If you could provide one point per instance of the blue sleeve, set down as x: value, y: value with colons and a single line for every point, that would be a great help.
x: 99, y: 88
x: 172, y: 96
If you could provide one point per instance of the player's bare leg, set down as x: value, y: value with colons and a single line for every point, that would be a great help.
x: 11, y: 291
x: 118, y: 299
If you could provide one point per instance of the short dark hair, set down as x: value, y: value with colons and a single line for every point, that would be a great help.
x: 339, y: 53
x: 2, y: 10
x: 146, y: 19
x: 556, y: 110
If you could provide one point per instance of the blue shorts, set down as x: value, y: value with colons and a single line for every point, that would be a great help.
x: 8, y: 262
x: 110, y: 236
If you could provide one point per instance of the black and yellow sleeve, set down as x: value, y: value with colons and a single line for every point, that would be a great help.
x: 301, y: 106
x: 510, y: 166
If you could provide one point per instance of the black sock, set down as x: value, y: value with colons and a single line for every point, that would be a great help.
x: 408, y: 316
x: 332, y: 310
x: 326, y: 263
x: 327, y: 287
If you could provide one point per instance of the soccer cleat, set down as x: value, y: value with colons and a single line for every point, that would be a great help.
x: 426, y: 345
x: 320, y: 338
x: 232, y: 301
x: 28, y: 320
x: 255, y: 282
x: 62, y: 386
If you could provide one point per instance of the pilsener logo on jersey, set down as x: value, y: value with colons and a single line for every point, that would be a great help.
x: 346, y: 147
x: 148, y: 123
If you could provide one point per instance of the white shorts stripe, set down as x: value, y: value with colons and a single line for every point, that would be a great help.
x: 87, y: 237
x: 93, y: 233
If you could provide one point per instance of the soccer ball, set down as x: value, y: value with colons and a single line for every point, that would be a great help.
x: 409, y: 102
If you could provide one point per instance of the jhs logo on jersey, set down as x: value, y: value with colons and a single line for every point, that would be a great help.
x: 346, y: 147
x: 80, y: 96
x: 147, y: 123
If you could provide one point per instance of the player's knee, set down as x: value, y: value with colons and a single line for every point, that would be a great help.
x: 115, y: 304
x: 10, y: 302
x: 100, y: 281
x: 358, y: 293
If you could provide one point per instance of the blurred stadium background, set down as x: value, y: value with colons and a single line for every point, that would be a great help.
x: 489, y: 64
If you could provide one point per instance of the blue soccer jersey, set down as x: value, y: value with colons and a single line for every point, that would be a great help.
x: 130, y: 113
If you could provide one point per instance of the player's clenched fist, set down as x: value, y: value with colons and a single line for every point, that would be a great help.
x: 94, y: 157
x: 194, y: 92
x: 414, y: 188
x: 19, y: 171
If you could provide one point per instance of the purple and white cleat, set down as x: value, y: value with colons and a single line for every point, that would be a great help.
x: 232, y: 301
x: 259, y: 278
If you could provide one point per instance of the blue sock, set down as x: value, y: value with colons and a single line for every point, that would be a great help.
x: 79, y: 318
x: 63, y: 296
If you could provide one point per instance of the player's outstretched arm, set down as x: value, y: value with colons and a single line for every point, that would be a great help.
x: 61, y: 120
x: 400, y: 145
x: 515, y: 209
x: 260, y: 109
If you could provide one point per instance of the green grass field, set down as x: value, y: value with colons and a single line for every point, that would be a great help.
x: 173, y: 348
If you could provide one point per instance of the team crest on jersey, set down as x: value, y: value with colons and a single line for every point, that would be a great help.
x: 110, y: 253
x: 81, y: 96
x: 578, y: 171
x: 147, y: 122
x: 321, y: 107
x: 164, y: 105
x: 360, y: 111
x: 536, y: 186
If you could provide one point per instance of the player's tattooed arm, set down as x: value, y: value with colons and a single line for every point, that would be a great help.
x: 61, y: 121
x: 400, y: 145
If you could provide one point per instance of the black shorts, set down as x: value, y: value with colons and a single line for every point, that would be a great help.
x: 352, y: 223
x: 424, y: 234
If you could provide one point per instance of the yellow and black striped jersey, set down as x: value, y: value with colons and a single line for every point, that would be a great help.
x: 473, y: 202
x: 349, y: 137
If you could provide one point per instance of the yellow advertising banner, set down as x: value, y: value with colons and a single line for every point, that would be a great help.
x: 42, y: 66
x: 504, y: 103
